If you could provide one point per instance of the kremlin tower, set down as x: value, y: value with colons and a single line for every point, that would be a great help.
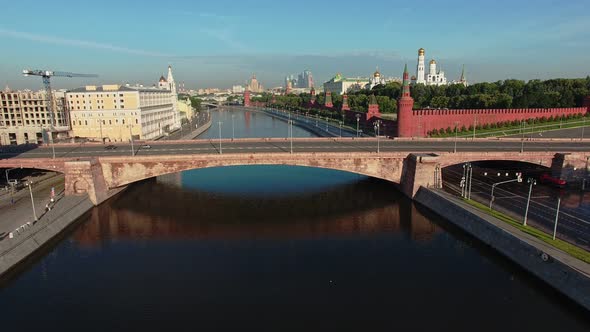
x: 404, y: 108
x: 345, y: 106
x: 328, y: 103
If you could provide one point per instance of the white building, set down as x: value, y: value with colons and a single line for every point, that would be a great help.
x: 340, y: 85
x: 434, y: 77
x: 237, y: 89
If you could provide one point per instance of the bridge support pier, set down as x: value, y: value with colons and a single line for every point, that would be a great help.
x: 86, y: 178
x: 570, y: 167
x: 420, y: 169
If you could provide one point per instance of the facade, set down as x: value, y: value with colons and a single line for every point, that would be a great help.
x: 114, y: 112
x: 25, y: 117
x: 185, y: 109
x: 341, y: 85
x: 237, y: 89
x: 254, y: 85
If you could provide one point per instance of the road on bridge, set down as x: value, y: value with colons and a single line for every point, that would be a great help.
x: 250, y: 146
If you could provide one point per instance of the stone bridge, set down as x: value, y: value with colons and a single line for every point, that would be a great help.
x: 101, y: 177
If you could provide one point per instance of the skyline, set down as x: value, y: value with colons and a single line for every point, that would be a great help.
x: 223, y: 44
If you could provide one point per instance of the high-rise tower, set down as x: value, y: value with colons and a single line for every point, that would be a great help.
x: 404, y: 108
x: 420, y: 72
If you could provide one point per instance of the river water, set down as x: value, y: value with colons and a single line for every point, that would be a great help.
x: 240, y: 123
x: 273, y: 248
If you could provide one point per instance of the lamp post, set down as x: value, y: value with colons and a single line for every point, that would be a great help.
x: 358, y: 118
x: 30, y: 184
x: 232, y: 127
x: 531, y: 183
x: 101, y: 135
x: 52, y: 145
x: 376, y: 126
x: 316, y: 119
x: 131, y: 138
x: 583, y: 125
x: 328, y: 130
x: 455, y: 148
x: 518, y: 179
x: 340, y: 125
x: 556, y: 217
x: 522, y: 124
x: 291, y: 133
x: 219, y: 123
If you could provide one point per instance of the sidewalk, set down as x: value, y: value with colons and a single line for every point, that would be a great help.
x: 14, y: 215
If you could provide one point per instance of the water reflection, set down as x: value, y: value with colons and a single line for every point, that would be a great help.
x: 240, y: 123
x: 175, y: 213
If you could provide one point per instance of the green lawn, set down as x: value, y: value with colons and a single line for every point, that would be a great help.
x: 515, y: 130
x: 571, y: 249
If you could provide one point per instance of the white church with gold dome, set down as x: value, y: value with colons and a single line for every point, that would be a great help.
x: 435, y: 75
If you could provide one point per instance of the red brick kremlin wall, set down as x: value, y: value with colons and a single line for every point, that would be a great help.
x: 424, y: 120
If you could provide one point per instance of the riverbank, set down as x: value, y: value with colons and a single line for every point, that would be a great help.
x: 568, y: 275
x: 32, y: 236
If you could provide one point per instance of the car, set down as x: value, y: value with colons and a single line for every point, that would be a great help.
x: 110, y: 147
x: 548, y: 179
x: 146, y: 146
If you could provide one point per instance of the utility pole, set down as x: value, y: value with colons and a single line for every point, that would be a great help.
x: 474, y: 125
x: 376, y: 125
x: 522, y: 124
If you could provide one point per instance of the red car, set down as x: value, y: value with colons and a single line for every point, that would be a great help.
x: 548, y: 179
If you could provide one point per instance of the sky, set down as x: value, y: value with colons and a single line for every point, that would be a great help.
x: 222, y: 43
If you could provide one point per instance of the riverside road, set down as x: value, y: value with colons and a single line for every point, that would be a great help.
x: 299, y: 145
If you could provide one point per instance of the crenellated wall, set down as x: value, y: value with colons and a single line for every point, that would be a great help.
x: 424, y: 120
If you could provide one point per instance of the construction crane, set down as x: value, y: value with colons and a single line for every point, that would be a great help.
x: 45, y: 75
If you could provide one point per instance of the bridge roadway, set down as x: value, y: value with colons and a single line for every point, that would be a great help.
x: 306, y: 145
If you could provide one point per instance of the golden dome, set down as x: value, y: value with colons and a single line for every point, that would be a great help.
x: 377, y: 73
x: 432, y: 62
x: 421, y: 51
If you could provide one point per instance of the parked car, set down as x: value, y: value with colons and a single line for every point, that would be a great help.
x: 548, y: 179
x: 110, y: 147
x: 146, y: 146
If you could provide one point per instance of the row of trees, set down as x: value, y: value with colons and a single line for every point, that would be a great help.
x: 505, y: 124
x: 501, y: 94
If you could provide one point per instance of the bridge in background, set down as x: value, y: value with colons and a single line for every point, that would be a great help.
x: 100, y: 173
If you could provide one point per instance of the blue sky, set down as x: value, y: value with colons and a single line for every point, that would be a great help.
x: 220, y: 43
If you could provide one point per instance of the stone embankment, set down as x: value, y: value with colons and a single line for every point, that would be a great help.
x: 567, y: 274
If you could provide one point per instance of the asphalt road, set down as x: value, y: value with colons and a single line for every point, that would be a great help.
x: 283, y: 145
x: 559, y: 133
x: 510, y: 198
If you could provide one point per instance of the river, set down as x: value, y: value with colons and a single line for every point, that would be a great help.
x: 274, y: 248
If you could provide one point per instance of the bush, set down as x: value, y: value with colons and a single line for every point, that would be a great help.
x: 449, y: 130
x: 463, y: 129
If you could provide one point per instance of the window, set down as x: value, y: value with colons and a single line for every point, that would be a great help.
x: 110, y: 122
x: 123, y: 121
x: 85, y: 122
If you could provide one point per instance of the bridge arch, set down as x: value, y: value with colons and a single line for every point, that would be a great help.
x: 385, y: 168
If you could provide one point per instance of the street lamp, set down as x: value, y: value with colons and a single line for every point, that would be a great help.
x: 232, y: 127
x: 523, y: 125
x: 531, y: 183
x: 219, y: 123
x: 376, y: 126
x: 455, y: 149
x: 30, y: 184
x: 316, y: 119
x: 466, y: 181
x: 358, y: 118
x: 518, y: 179
x: 340, y: 125
x: 131, y: 138
x: 291, y: 133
